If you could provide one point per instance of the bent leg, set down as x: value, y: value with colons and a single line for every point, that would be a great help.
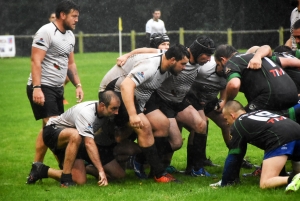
x: 270, y: 170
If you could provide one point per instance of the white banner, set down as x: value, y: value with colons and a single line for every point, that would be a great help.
x: 7, y: 46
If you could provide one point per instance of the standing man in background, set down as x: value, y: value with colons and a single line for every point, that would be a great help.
x: 154, y: 25
x: 52, y: 59
x: 52, y: 17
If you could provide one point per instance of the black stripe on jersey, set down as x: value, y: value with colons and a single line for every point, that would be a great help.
x: 136, y: 79
x: 40, y: 44
x: 111, y: 85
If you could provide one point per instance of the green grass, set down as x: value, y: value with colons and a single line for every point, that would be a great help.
x: 18, y: 133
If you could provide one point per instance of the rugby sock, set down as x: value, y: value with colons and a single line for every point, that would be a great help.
x: 163, y: 145
x: 66, y: 178
x: 198, y: 150
x: 44, y: 171
x: 140, y: 158
x: 290, y: 178
x: 189, y: 158
x: 153, y: 160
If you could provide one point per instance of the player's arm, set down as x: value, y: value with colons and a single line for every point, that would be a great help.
x: 231, y: 169
x: 230, y: 92
x: 122, y: 59
x: 127, y: 91
x: 74, y: 77
x: 289, y: 62
x: 259, y: 53
x: 93, y: 153
x: 37, y: 56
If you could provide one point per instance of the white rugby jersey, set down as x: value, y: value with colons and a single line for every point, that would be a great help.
x: 143, y: 69
x: 174, y: 88
x: 153, y: 26
x: 58, y: 47
x: 82, y: 116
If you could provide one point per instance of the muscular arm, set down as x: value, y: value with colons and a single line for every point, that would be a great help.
x: 260, y: 52
x: 122, y: 59
x: 37, y: 56
x: 93, y: 153
x: 289, y: 62
x: 232, y: 89
x: 127, y: 92
x: 74, y: 77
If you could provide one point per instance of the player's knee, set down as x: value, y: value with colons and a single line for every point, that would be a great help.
x: 201, y: 127
x: 176, y: 145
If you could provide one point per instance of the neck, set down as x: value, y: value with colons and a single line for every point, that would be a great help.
x: 60, y: 26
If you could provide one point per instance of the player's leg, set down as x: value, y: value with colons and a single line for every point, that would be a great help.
x: 270, y: 172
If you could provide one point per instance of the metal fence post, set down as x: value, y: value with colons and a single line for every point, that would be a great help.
x: 181, y: 35
x: 229, y: 36
x: 281, y: 35
x: 80, y: 42
x: 132, y: 36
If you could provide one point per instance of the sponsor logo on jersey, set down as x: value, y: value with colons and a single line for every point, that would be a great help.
x: 140, y: 74
x: 56, y: 66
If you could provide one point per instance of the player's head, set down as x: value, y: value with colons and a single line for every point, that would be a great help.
x: 68, y: 12
x: 232, y: 110
x: 109, y: 103
x: 202, y: 49
x: 222, y: 54
x: 160, y: 41
x: 296, y: 32
x: 156, y: 14
x: 177, y: 56
x: 282, y: 48
x: 52, y: 17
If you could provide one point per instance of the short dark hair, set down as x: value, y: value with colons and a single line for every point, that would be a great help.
x: 155, y: 9
x: 178, y: 51
x: 106, y: 96
x: 66, y: 6
x: 296, y: 25
x: 224, y: 51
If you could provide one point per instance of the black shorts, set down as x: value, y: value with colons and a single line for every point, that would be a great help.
x: 170, y: 109
x: 106, y: 154
x: 53, y: 105
x: 193, y: 100
x: 153, y: 103
x: 210, y: 106
x: 50, y: 137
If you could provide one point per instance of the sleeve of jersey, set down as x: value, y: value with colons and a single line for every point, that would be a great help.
x: 142, y: 73
x: 42, y: 39
x: 231, y: 169
x: 84, y: 123
x: 148, y: 26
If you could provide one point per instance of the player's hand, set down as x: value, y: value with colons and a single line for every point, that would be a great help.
x: 38, y: 96
x: 102, y: 179
x: 135, y: 121
x: 219, y: 106
x: 254, y: 63
x: 122, y: 60
x: 79, y: 94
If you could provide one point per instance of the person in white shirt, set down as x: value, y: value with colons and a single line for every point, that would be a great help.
x: 295, y: 15
x: 154, y: 25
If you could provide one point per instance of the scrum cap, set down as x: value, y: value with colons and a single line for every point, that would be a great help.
x: 157, y: 38
x: 202, y: 45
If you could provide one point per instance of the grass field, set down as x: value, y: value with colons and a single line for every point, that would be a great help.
x: 19, y: 130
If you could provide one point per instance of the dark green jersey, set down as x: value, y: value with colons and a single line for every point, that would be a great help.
x: 268, y: 88
x: 262, y: 129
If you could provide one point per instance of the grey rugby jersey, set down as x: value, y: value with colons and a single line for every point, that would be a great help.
x: 174, y: 88
x: 58, y: 47
x: 82, y: 116
x: 208, y: 84
x: 143, y: 69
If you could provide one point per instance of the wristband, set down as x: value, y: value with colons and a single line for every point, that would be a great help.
x: 78, y: 85
x: 36, y: 86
